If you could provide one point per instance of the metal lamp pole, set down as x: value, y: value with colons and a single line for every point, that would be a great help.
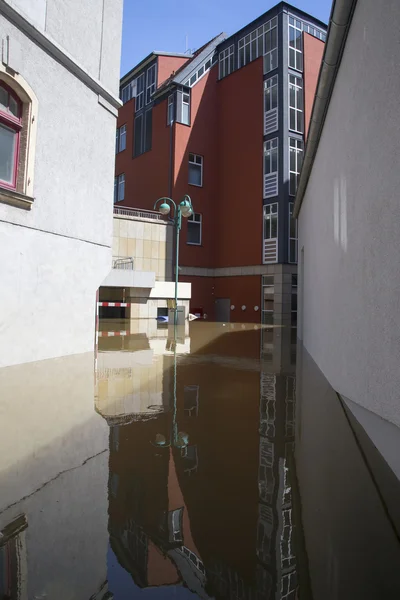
x: 183, y: 209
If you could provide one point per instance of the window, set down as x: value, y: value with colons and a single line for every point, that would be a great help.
x: 271, y: 168
x: 10, y: 128
x: 185, y: 109
x: 270, y: 233
x: 138, y: 136
x: 148, y: 130
x: 295, y: 44
x: 142, y: 133
x: 120, y: 139
x: 195, y: 169
x: 226, y: 61
x: 321, y: 35
x: 295, y: 160
x: 150, y: 83
x: 261, y: 41
x: 119, y: 188
x: 170, y: 110
x: 296, y: 118
x: 271, y: 221
x: 271, y: 105
x: 206, y: 66
x: 140, y: 92
x: 292, y: 235
x: 194, y: 229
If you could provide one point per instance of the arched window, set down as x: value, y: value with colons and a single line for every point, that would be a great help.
x: 10, y: 131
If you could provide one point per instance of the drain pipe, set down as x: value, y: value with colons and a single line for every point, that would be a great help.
x: 339, y: 25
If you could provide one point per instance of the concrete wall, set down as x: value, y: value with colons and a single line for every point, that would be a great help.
x: 349, y: 222
x: 57, y: 253
x: 54, y: 469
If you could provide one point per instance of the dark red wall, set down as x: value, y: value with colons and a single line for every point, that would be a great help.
x: 313, y: 51
x: 240, y: 140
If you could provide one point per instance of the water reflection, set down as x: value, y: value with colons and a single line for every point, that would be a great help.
x: 205, y: 471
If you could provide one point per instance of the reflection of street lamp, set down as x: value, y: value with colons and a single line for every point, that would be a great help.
x: 183, y: 209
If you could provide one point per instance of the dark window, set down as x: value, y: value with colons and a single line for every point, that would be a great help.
x: 148, y: 130
x: 138, y: 136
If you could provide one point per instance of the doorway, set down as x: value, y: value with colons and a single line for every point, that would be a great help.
x: 222, y: 310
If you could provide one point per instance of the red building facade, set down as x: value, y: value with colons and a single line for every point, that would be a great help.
x: 217, y: 125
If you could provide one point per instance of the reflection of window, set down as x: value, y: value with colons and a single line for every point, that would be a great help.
x: 268, y: 300
x: 114, y: 484
x: 194, y: 224
x: 195, y: 169
x: 175, y: 532
x: 264, y: 533
x: 12, y: 559
x: 191, y: 400
x: 189, y: 453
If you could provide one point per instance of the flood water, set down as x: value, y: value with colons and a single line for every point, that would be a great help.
x: 190, y: 464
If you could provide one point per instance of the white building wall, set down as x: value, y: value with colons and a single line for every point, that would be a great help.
x: 56, y: 255
x: 349, y: 221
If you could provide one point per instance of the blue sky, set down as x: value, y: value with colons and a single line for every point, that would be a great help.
x: 164, y: 24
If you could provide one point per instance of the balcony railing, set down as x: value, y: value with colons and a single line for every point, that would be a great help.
x: 122, y: 262
x: 134, y: 213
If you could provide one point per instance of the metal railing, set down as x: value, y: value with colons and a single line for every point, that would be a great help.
x: 122, y: 262
x: 133, y: 213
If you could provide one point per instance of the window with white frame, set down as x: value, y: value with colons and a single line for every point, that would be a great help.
x: 226, y: 61
x: 128, y: 91
x: 271, y: 105
x: 140, y: 92
x: 194, y: 223
x: 270, y: 250
x: 170, y: 109
x: 185, y: 109
x: 119, y: 188
x: 292, y: 235
x: 271, y: 168
x: 295, y: 161
x: 314, y: 31
x: 195, y: 169
x: 295, y: 44
x: 296, y: 104
x: 205, y: 67
x: 271, y: 221
x: 150, y: 83
x: 263, y: 41
x: 120, y: 139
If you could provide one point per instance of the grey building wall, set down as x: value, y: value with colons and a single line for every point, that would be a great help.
x: 349, y: 222
x: 57, y: 254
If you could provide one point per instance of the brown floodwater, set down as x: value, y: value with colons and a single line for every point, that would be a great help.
x: 190, y: 464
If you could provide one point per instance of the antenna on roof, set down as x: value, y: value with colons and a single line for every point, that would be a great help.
x: 187, y: 44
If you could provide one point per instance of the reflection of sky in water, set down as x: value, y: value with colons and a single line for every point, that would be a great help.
x: 122, y: 586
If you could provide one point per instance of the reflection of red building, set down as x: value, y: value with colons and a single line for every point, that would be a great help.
x: 220, y: 125
x: 216, y: 514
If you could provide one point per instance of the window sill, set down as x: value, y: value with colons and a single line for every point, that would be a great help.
x: 16, y: 199
x: 196, y: 184
x: 193, y: 244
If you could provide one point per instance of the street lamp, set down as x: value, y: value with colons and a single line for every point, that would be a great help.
x: 183, y: 209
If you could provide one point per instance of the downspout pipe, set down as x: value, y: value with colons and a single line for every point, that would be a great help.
x: 339, y: 25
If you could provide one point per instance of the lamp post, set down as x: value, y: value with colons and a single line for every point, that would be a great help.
x: 183, y: 209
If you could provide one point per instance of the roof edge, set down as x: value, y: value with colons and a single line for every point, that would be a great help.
x: 339, y: 25
x: 125, y: 78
